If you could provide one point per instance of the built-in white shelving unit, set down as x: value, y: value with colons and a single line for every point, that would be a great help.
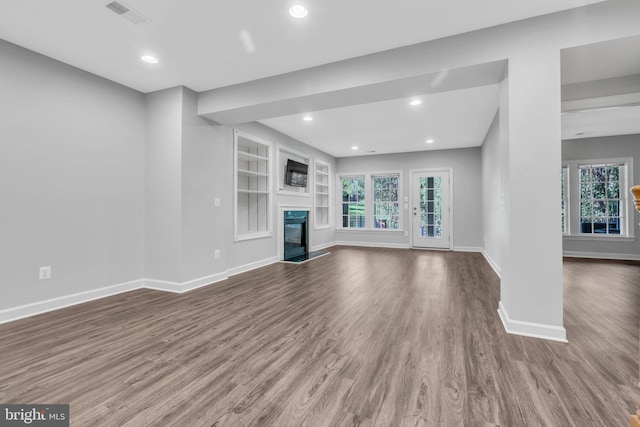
x: 322, y: 194
x: 252, y: 172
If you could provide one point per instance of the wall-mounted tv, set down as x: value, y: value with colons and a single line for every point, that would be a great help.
x: 296, y: 174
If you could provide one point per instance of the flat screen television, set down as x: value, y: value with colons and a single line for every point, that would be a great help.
x: 296, y: 174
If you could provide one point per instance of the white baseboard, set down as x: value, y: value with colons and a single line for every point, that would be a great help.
x: 467, y: 249
x: 179, y: 288
x: 595, y: 255
x: 529, y: 329
x: 203, y: 281
x: 322, y: 246
x: 492, y: 263
x: 251, y: 266
x: 374, y: 245
x: 162, y: 285
x: 28, y: 310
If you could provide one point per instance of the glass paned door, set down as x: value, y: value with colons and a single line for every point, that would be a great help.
x: 430, y: 209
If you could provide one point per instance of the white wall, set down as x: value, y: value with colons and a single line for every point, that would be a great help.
x: 603, y: 148
x: 163, y: 185
x: 187, y: 169
x: 204, y: 178
x: 467, y: 212
x: 71, y: 179
x: 492, y: 194
x: 531, y: 272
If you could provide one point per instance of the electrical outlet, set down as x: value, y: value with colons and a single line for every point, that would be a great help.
x: 45, y: 273
x: 216, y: 254
x: 406, y: 233
x: 216, y: 202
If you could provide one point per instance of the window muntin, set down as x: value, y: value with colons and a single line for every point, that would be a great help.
x: 386, y: 209
x: 353, y: 202
x: 431, y: 206
x: 602, y: 204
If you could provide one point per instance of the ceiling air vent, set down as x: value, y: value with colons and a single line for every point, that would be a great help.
x: 127, y: 13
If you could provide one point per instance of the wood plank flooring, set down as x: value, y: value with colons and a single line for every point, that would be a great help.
x: 361, y: 337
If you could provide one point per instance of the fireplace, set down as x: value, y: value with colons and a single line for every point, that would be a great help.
x: 296, y: 236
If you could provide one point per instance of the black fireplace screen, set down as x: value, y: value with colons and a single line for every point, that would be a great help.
x: 295, y: 234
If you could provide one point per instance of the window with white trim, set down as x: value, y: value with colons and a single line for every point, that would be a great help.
x: 601, y: 202
x: 595, y: 200
x: 371, y: 201
x: 386, y: 210
x: 353, y: 199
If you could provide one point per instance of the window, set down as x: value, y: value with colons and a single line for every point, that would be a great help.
x: 371, y: 201
x: 594, y: 201
x: 386, y: 211
x: 353, y: 197
x: 601, y: 206
x: 564, y: 175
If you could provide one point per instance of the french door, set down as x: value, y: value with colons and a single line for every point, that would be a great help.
x: 430, y: 209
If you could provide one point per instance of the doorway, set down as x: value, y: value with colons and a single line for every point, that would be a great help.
x: 431, y: 208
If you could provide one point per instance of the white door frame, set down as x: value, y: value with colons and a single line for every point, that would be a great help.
x: 412, y: 172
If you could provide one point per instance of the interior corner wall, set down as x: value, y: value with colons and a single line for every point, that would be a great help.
x: 603, y: 148
x: 71, y: 179
x: 492, y: 210
x: 495, y: 183
x: 467, y: 202
x: 204, y: 226
x: 163, y: 185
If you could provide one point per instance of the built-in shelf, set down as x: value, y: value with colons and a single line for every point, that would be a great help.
x: 251, y: 156
x: 252, y: 172
x: 242, y: 190
x: 322, y: 199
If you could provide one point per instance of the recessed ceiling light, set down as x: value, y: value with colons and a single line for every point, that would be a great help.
x: 307, y: 118
x: 415, y: 102
x: 298, y: 11
x: 150, y: 59
x: 429, y: 141
x: 355, y: 147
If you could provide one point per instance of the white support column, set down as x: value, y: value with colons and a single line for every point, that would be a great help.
x: 531, y: 289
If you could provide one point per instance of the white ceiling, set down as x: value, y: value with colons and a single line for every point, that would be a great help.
x: 199, y: 45
x: 202, y: 44
x: 598, y: 61
x: 598, y: 116
x: 453, y: 119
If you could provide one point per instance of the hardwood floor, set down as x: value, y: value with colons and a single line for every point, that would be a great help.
x: 380, y: 337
